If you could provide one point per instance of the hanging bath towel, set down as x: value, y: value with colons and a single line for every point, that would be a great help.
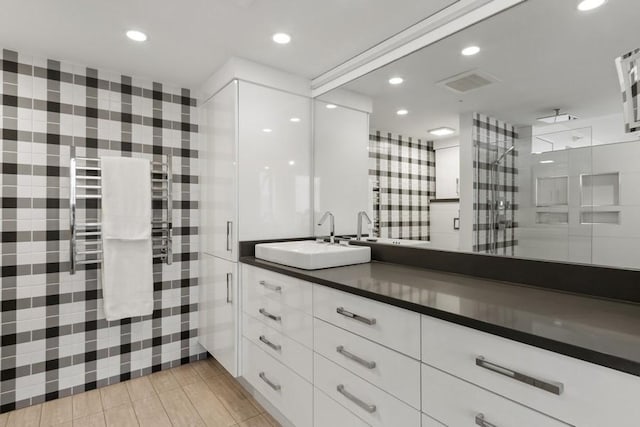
x: 127, y: 263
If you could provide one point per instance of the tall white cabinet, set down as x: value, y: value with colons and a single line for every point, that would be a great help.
x: 255, y: 184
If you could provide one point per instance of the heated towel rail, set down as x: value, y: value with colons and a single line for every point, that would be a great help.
x: 86, y: 184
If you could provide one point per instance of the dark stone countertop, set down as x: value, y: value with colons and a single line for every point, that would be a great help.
x: 595, y: 330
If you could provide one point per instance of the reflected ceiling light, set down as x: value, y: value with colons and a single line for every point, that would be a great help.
x: 585, y: 5
x: 331, y: 106
x: 266, y: 168
x: 396, y: 80
x: 558, y: 117
x: 402, y: 112
x: 281, y: 38
x: 546, y: 161
x: 443, y: 131
x: 291, y: 163
x: 267, y: 130
x: 470, y: 51
x: 135, y: 35
x: 294, y: 119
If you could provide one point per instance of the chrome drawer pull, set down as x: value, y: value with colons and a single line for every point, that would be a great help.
x: 369, y: 365
x: 480, y: 421
x: 276, y: 347
x: 549, y: 386
x: 270, y: 383
x: 365, y: 320
x: 271, y: 287
x: 269, y: 315
x: 369, y: 408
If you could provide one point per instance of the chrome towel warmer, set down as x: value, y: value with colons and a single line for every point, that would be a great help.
x: 86, y: 184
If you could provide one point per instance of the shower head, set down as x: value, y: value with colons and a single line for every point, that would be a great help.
x: 507, y: 151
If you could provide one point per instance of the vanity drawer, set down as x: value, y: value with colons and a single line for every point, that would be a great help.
x: 457, y: 403
x: 286, y: 350
x: 427, y: 421
x: 259, y: 283
x: 389, y: 370
x: 589, y: 395
x: 284, y: 389
x: 295, y: 324
x: 376, y: 407
x: 328, y: 413
x: 383, y: 323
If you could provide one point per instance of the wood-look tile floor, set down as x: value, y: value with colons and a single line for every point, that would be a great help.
x: 197, y: 394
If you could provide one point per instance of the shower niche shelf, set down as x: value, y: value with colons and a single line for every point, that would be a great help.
x: 600, y: 189
x: 600, y: 217
x: 552, y: 191
x: 552, y: 218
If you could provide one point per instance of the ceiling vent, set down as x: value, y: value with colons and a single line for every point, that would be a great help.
x: 468, y: 81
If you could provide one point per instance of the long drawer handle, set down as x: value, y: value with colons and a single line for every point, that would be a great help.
x: 269, y: 315
x: 367, y: 407
x: 276, y: 347
x: 549, y: 386
x: 365, y: 320
x: 367, y: 364
x: 274, y: 288
x: 270, y: 383
x: 480, y: 421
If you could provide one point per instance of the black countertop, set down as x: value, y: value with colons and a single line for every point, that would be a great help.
x: 595, y: 330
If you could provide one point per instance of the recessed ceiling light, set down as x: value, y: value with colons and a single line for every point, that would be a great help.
x: 281, y: 38
x: 471, y: 50
x: 294, y: 119
x: 546, y: 161
x: 267, y: 130
x: 135, y: 35
x: 291, y: 163
x: 443, y: 131
x: 396, y: 80
x: 331, y: 106
x: 585, y: 5
x: 402, y: 112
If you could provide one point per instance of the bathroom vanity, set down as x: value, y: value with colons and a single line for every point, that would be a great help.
x: 389, y: 345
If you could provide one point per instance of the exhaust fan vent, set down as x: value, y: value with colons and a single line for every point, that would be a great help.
x: 468, y: 81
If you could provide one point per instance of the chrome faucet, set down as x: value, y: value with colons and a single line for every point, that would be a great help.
x: 332, y: 230
x: 360, y: 215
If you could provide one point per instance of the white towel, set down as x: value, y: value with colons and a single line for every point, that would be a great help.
x: 127, y: 278
x: 127, y: 255
x: 126, y: 198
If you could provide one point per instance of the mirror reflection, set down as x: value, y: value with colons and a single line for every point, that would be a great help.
x: 524, y: 146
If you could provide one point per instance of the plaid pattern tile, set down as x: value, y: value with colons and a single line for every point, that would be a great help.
x: 55, y: 340
x: 628, y: 65
x: 403, y: 169
x: 491, y: 138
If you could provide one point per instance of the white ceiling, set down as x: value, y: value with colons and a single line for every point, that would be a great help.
x: 545, y: 53
x: 190, y: 39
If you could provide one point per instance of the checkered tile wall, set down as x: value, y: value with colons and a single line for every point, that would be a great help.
x: 491, y: 138
x: 403, y: 170
x: 54, y: 338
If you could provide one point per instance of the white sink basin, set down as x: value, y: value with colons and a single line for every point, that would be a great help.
x: 310, y: 255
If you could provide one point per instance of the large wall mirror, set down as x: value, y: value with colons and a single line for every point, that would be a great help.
x: 514, y: 137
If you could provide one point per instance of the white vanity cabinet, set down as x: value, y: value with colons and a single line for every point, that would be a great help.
x: 353, y: 361
x: 568, y: 389
x: 256, y: 153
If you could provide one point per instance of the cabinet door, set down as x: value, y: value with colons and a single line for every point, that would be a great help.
x: 275, y: 158
x: 448, y: 173
x: 219, y: 174
x: 218, y: 310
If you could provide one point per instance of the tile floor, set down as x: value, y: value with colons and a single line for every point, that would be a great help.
x: 197, y: 394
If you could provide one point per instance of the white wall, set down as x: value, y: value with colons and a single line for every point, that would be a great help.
x: 341, y: 183
x: 243, y: 69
